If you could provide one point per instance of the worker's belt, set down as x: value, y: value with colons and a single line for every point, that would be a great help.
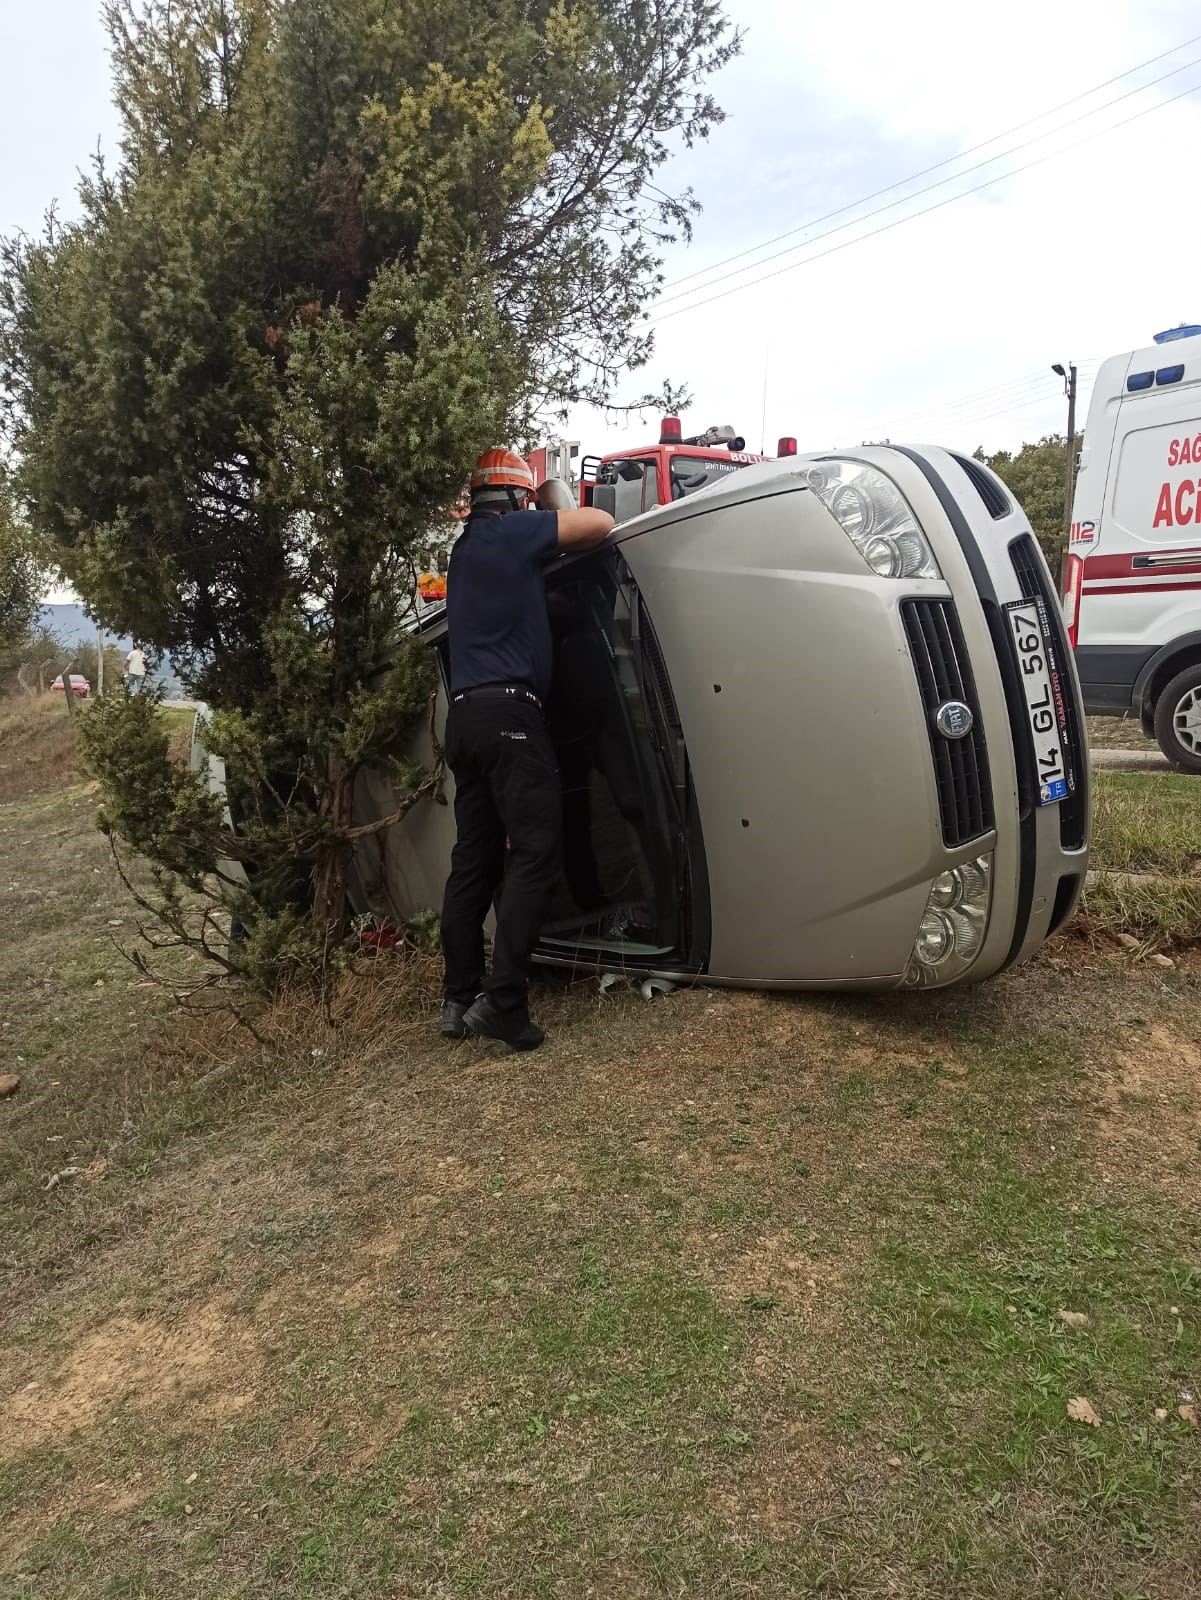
x: 515, y: 691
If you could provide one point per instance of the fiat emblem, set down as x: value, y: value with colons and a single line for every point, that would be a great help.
x: 954, y: 720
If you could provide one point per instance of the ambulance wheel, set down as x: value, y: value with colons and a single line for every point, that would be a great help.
x: 1178, y: 720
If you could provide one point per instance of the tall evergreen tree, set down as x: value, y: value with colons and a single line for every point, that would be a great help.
x: 20, y: 577
x: 1035, y: 473
x: 348, y: 245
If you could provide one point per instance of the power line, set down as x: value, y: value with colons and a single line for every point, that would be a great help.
x: 934, y: 432
x: 1014, y: 389
x: 940, y: 183
x: 995, y: 392
x: 964, y: 194
x: 956, y: 412
x: 976, y: 418
x: 1004, y: 410
x: 1009, y: 383
x: 968, y: 413
x: 938, y: 165
x: 930, y: 427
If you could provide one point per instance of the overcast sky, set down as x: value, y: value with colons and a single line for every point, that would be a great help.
x: 941, y: 328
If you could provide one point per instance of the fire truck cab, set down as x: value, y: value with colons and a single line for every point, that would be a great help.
x: 631, y: 482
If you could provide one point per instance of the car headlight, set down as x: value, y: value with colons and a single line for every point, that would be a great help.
x: 951, y: 932
x: 876, y: 517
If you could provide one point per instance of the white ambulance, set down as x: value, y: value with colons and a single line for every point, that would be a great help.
x: 1132, y: 585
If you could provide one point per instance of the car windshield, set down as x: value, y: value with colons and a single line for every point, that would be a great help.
x: 688, y: 474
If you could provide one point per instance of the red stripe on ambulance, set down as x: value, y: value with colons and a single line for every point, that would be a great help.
x: 1182, y: 561
x: 1139, y: 588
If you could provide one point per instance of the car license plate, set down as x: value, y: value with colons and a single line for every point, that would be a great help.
x: 1046, y: 707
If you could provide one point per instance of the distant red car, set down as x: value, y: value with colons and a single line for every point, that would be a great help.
x: 80, y: 687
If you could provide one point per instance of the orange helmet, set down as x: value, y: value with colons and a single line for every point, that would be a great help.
x: 501, y: 469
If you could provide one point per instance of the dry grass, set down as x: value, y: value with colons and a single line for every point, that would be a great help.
x: 38, y: 747
x: 179, y: 725
x: 653, y: 1308
x: 726, y: 1295
x: 1119, y: 733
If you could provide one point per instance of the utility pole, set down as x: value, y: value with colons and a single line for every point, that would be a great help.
x: 1069, y: 463
x: 1069, y: 473
x: 99, y: 660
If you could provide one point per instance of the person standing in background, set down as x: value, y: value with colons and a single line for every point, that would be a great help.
x: 135, y: 668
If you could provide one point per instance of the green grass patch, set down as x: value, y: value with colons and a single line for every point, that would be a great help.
x: 981, y: 1366
x: 1146, y: 856
x: 30, y: 1474
x: 1153, y: 909
x: 1147, y: 822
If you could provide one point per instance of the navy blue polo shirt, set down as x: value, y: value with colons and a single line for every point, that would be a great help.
x: 496, y: 601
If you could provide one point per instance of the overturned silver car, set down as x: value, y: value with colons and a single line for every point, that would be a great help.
x: 818, y: 727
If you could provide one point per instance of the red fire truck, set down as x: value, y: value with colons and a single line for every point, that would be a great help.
x: 632, y: 481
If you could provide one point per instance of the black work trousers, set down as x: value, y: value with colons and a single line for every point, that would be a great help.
x: 506, y: 788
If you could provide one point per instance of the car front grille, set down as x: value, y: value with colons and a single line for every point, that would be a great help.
x: 1035, y: 584
x: 940, y: 660
x: 996, y: 502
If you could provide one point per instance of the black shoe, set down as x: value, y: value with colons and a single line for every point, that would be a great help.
x: 452, y: 1020
x: 485, y: 1021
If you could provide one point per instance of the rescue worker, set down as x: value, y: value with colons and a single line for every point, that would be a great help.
x: 506, y: 780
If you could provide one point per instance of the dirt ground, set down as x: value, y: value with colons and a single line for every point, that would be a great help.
x: 722, y: 1295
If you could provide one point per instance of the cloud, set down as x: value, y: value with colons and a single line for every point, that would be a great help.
x: 1079, y: 257
x: 1076, y: 258
x: 54, y: 106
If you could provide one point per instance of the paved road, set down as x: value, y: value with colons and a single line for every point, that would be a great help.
x: 1130, y: 760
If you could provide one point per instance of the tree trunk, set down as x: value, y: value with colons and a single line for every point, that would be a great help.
x: 68, y: 692
x: 331, y: 911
